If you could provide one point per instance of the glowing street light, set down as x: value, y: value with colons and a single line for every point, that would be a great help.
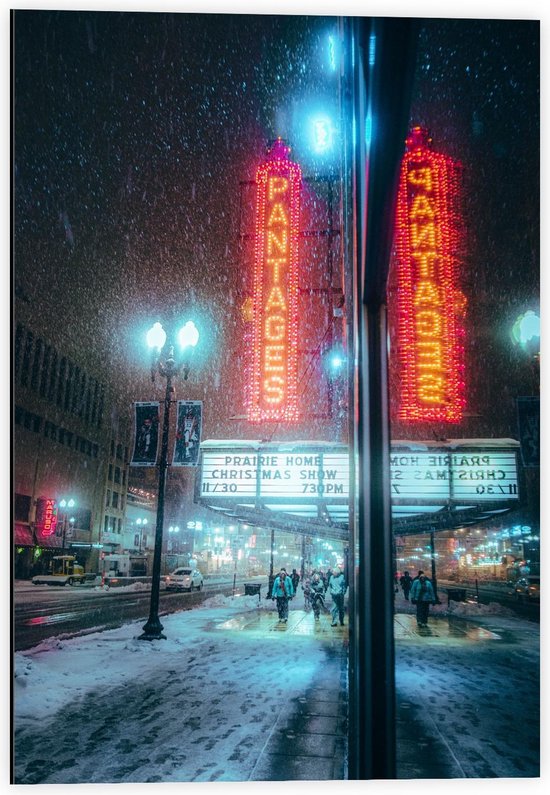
x: 66, y: 505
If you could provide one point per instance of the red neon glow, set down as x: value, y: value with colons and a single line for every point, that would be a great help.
x: 273, y: 390
x: 430, y: 304
x: 46, y: 516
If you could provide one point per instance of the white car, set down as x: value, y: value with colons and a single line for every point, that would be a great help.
x: 184, y: 579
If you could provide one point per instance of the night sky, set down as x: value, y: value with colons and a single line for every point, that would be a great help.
x: 133, y: 132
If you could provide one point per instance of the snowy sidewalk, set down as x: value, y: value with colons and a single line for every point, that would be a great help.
x: 231, y: 695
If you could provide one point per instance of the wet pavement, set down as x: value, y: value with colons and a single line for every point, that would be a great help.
x: 434, y: 738
x: 308, y: 741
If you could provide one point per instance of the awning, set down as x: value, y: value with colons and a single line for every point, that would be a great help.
x: 49, y: 542
x: 22, y: 535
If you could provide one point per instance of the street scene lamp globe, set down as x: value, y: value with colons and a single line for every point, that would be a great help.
x: 526, y: 332
x: 156, y: 337
x: 188, y: 336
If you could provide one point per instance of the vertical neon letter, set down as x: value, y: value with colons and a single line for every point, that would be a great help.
x: 430, y: 304
x: 273, y: 393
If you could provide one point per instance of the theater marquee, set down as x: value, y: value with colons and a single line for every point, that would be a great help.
x: 312, y: 479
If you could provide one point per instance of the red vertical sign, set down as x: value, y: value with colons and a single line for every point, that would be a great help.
x: 273, y: 393
x: 430, y: 304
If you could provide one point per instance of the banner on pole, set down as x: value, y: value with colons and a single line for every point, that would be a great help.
x: 188, y: 433
x: 146, y: 434
x: 529, y: 430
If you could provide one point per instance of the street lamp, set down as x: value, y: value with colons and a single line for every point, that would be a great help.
x: 141, y: 523
x: 168, y: 368
x: 66, y: 504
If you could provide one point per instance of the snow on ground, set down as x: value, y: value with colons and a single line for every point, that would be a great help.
x: 202, y: 704
x: 198, y: 706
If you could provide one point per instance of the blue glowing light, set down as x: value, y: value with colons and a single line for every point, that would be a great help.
x: 322, y: 134
x: 368, y: 130
x: 332, y: 53
x: 372, y: 50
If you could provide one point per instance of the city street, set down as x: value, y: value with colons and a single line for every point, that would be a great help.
x: 232, y: 695
x: 42, y: 611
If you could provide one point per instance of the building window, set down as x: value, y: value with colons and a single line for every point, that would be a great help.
x: 106, y: 524
x: 88, y: 400
x: 112, y: 524
x: 61, y: 380
x: 50, y: 430
x: 27, y: 358
x: 112, y: 448
x: 119, y: 522
x: 36, y: 364
x: 45, y: 371
x: 19, y: 334
x: 117, y: 475
x: 76, y: 389
x: 125, y: 455
x: 94, y: 403
x: 115, y: 499
x: 53, y: 376
x: 100, y: 408
x: 110, y: 472
x: 21, y: 507
x: 108, y: 498
x: 119, y: 452
x: 82, y: 397
x: 123, y: 477
x: 68, y: 386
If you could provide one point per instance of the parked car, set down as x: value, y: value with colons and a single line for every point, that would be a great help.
x: 184, y: 579
x: 528, y: 588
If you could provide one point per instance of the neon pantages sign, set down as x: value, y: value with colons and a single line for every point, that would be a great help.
x: 273, y: 393
x: 430, y: 304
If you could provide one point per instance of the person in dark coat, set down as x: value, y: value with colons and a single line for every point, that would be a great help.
x: 422, y: 595
x: 406, y: 582
x: 282, y: 592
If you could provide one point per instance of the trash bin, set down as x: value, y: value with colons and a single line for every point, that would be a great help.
x: 252, y: 589
x: 456, y: 594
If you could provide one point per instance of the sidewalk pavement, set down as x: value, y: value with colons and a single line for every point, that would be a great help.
x: 459, y: 683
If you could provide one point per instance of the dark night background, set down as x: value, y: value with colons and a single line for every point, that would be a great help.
x: 133, y: 131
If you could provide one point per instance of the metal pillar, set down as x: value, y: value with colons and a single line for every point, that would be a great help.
x: 152, y: 630
x: 380, y: 60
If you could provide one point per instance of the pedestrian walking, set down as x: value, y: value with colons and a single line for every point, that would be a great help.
x: 317, y: 595
x: 406, y: 582
x: 337, y: 587
x: 282, y: 592
x: 295, y: 577
x: 422, y: 595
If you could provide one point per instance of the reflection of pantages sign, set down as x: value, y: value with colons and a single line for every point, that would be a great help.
x: 438, y: 476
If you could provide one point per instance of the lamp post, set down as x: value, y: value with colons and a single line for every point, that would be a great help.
x: 188, y: 337
x: 141, y: 523
x: 66, y: 504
